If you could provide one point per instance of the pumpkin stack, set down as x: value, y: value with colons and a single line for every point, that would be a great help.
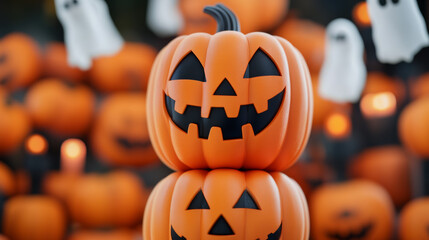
x: 228, y: 111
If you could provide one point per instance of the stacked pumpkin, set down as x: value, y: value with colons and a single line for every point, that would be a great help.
x: 228, y: 111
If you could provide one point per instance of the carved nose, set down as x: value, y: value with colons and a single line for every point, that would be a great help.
x: 221, y: 227
x: 225, y: 89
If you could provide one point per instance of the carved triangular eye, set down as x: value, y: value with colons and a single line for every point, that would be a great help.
x: 190, y: 68
x: 261, y: 65
x: 246, y: 201
x: 199, y: 202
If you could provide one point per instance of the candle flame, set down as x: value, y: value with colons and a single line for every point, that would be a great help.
x: 378, y: 104
x: 338, y: 125
x: 73, y: 153
x: 36, y: 144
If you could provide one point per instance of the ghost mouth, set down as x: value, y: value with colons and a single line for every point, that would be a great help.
x: 272, y: 236
x: 128, y: 144
x: 361, y: 234
x: 231, y: 127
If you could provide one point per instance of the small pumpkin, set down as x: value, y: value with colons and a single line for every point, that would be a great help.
x: 226, y: 204
x: 419, y: 87
x: 15, y: 123
x: 127, y: 70
x: 59, y: 184
x: 413, y: 127
x: 116, y: 199
x: 229, y: 100
x: 255, y: 15
x: 414, y: 220
x: 357, y: 209
x: 388, y: 166
x: 34, y: 217
x: 20, y: 61
x: 308, y: 37
x: 7, y: 180
x: 63, y: 110
x: 120, y: 234
x: 120, y: 135
x: 55, y: 64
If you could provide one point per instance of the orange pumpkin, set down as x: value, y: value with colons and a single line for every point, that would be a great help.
x: 115, y: 199
x: 55, y: 64
x: 20, y: 61
x: 121, y: 234
x: 229, y: 100
x: 59, y: 108
x: 127, y: 70
x: 413, y: 220
x: 420, y: 86
x: 7, y: 180
x: 226, y: 204
x: 254, y: 14
x: 308, y: 37
x: 34, y: 217
x: 120, y: 135
x: 388, y: 166
x: 59, y: 184
x: 413, y: 127
x: 2, y: 237
x: 357, y: 209
x: 15, y: 124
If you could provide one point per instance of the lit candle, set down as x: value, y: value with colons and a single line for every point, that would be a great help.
x: 375, y: 105
x: 338, y: 125
x: 36, y: 144
x: 73, y: 154
x: 37, y: 162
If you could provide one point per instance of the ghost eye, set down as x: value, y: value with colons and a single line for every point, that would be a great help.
x: 198, y: 202
x: 190, y: 68
x: 395, y: 1
x: 67, y: 5
x: 75, y: 2
x: 261, y: 65
x: 246, y: 201
x: 340, y: 37
x: 382, y: 2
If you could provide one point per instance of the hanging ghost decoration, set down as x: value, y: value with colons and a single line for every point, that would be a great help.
x: 399, y: 30
x: 343, y: 73
x: 164, y: 17
x: 89, y: 32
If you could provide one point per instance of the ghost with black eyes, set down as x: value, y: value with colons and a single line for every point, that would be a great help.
x: 399, y: 30
x: 343, y: 73
x: 89, y: 31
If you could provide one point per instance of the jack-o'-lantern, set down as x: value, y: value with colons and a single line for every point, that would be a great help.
x: 128, y: 70
x: 388, y: 166
x: 255, y: 15
x: 120, y: 135
x: 20, y: 61
x: 226, y: 204
x: 61, y: 109
x: 414, y: 127
x: 308, y: 37
x: 121, y: 234
x: 357, y: 209
x: 7, y: 180
x: 414, y: 220
x: 55, y: 64
x: 15, y: 124
x: 116, y: 199
x: 34, y: 217
x: 420, y: 86
x: 229, y: 100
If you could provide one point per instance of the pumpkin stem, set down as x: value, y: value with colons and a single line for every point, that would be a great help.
x: 225, y: 18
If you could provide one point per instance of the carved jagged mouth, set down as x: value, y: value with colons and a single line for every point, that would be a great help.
x: 231, y: 127
x: 6, y: 79
x: 124, y: 142
x: 272, y: 236
x: 352, y: 235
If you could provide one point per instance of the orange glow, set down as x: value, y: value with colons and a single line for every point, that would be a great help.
x: 378, y: 104
x: 338, y: 126
x: 73, y: 154
x: 36, y: 144
x: 361, y: 15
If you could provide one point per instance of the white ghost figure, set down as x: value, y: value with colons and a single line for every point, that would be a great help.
x: 89, y: 31
x: 343, y: 73
x: 164, y: 17
x: 399, y: 30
